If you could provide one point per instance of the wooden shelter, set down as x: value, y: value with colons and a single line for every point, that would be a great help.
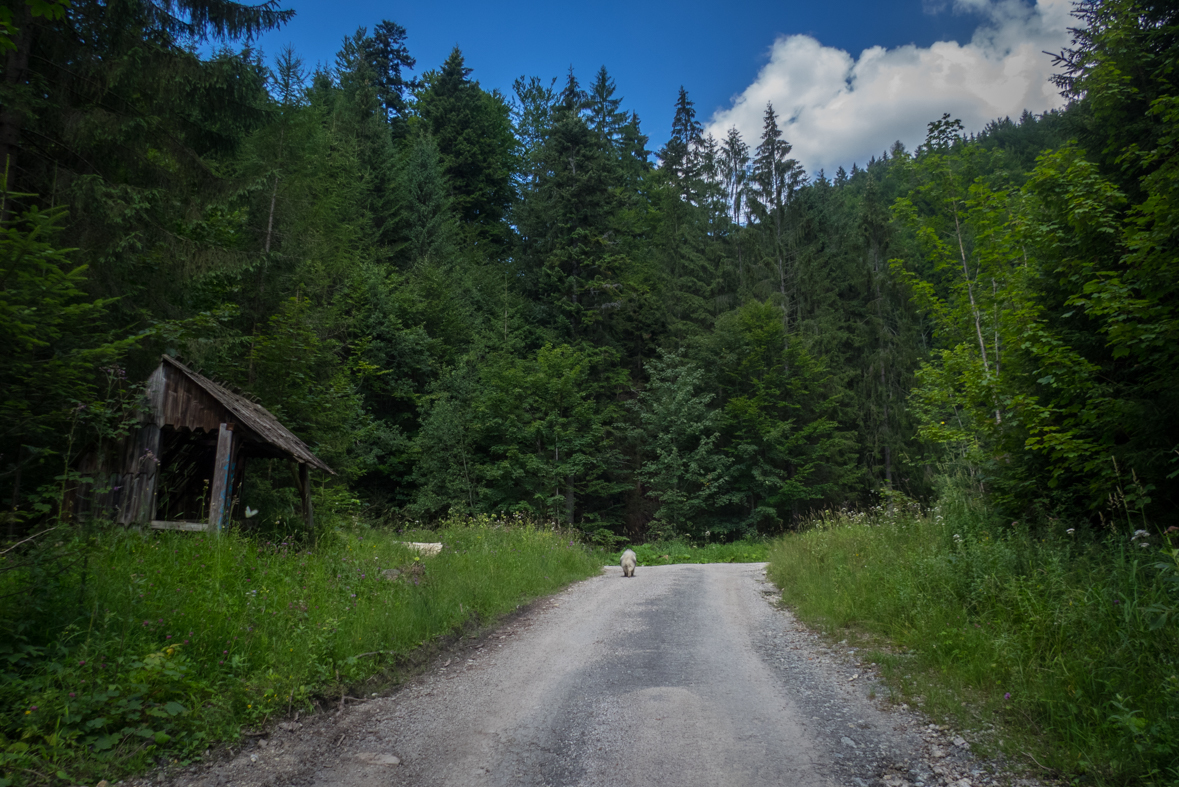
x: 181, y: 468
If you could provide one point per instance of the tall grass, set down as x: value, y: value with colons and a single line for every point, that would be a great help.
x: 1069, y: 646
x: 663, y: 553
x: 168, y: 642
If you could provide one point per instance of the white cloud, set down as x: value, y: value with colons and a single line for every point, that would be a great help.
x: 836, y: 110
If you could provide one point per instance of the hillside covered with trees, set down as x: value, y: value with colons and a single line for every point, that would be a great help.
x: 475, y: 303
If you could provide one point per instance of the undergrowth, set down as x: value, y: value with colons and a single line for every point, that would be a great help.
x: 157, y: 646
x: 1065, y: 646
x: 662, y: 553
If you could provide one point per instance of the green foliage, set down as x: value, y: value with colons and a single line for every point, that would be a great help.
x: 677, y: 432
x: 169, y: 642
x: 429, y: 226
x: 473, y: 130
x: 666, y: 553
x: 529, y: 435
x: 305, y: 383
x: 1057, y: 638
x: 471, y: 307
x: 573, y: 227
x: 785, y: 448
x: 1055, y: 328
x: 52, y: 344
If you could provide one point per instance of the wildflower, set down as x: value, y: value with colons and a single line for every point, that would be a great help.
x: 72, y: 695
x: 82, y: 663
x: 1071, y: 530
x: 1007, y: 696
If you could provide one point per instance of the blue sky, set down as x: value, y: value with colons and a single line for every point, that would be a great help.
x: 807, y: 58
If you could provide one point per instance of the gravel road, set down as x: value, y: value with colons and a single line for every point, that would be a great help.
x: 683, y: 675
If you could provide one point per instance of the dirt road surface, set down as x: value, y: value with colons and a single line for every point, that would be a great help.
x: 682, y: 675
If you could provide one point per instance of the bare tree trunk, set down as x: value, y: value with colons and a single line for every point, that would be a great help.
x: 270, y: 219
x: 982, y: 343
x: 782, y: 288
x: 570, y: 499
x: 884, y: 429
x: 12, y: 119
x: 15, y: 494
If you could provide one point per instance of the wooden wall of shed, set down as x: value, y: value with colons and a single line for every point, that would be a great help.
x: 177, y: 401
x: 124, y: 476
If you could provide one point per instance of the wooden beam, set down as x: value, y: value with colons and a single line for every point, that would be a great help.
x: 164, y: 524
x: 221, y: 494
x: 305, y: 492
x: 139, y: 473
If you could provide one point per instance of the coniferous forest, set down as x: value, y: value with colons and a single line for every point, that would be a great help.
x: 938, y: 391
x: 472, y: 302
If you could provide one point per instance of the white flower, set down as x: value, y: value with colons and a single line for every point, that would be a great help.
x: 1140, y: 534
x: 1071, y: 530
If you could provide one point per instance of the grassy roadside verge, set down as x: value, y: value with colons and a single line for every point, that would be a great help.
x: 664, y: 553
x: 166, y: 643
x: 1067, y: 652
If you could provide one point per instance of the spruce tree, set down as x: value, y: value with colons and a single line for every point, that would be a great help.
x: 473, y: 131
x: 569, y: 224
x: 388, y: 57
x: 733, y: 166
x: 680, y: 156
x: 603, y: 108
x: 532, y: 115
x: 773, y: 181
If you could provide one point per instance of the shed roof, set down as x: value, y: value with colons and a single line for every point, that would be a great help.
x: 172, y: 406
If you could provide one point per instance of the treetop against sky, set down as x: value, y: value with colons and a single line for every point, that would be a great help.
x: 848, y: 78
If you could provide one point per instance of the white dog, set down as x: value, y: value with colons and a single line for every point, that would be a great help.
x: 628, y: 563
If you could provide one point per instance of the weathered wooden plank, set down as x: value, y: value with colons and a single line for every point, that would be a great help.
x: 222, y: 468
x: 305, y: 492
x: 147, y: 466
x: 157, y: 387
x: 122, y: 490
x: 165, y: 524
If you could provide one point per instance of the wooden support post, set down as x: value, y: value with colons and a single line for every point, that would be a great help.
x: 149, y: 465
x: 222, y: 480
x: 305, y: 491
x: 136, y: 483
